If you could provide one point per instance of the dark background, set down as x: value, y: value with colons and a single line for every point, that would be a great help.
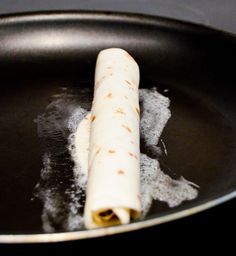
x: 208, y: 228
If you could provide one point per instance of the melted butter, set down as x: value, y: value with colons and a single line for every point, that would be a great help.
x: 64, y: 129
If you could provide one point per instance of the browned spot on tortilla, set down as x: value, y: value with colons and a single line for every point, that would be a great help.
x: 132, y: 142
x: 129, y: 56
x: 93, y: 118
x: 98, y: 83
x: 111, y: 74
x: 133, y: 155
x: 127, y: 128
x: 111, y: 151
x: 109, y: 67
x: 87, y: 149
x: 98, y: 61
x: 109, y: 95
x: 128, y: 82
x: 120, y: 111
x: 120, y: 172
x: 98, y: 151
x: 137, y: 110
x: 130, y: 85
x: 126, y: 97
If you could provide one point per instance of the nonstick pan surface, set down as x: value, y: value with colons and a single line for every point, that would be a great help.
x: 42, y: 53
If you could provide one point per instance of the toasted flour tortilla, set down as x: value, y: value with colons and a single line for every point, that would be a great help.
x: 113, y: 195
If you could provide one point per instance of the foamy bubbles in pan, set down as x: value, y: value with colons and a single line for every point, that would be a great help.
x: 155, y: 184
x: 62, y: 199
x: 64, y: 126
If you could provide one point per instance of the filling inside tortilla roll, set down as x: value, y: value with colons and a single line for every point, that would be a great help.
x: 113, y: 195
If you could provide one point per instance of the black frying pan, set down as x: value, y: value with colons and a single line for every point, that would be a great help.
x: 42, y: 52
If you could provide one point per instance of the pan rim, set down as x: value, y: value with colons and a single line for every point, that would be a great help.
x: 104, y: 15
x: 113, y: 15
x: 84, y: 234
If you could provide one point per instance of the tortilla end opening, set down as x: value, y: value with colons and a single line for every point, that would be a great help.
x: 117, y: 216
x: 106, y: 217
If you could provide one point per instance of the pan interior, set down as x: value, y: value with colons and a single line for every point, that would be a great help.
x: 190, y: 65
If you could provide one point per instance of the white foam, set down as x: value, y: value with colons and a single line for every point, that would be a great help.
x: 62, y: 210
x: 155, y: 184
x: 154, y: 115
x: 58, y: 214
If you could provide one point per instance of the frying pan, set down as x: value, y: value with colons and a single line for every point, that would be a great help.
x: 193, y: 65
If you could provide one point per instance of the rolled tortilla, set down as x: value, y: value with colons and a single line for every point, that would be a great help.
x: 113, y: 195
